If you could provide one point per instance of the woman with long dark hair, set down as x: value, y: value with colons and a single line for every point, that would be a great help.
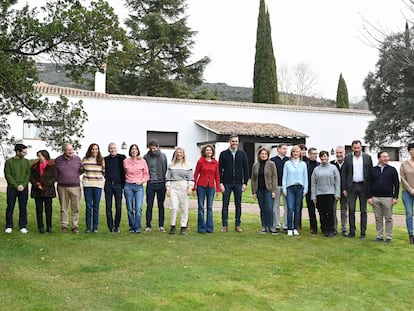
x: 93, y: 168
x: 43, y: 177
x: 136, y: 175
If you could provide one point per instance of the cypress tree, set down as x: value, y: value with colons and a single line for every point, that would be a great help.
x: 265, y: 78
x: 342, y: 100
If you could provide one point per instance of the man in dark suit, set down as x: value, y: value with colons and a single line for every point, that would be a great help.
x: 339, y: 162
x: 355, y: 172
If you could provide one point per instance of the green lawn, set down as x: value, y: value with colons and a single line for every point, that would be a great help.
x: 219, y: 271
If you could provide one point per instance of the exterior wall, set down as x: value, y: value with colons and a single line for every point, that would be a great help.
x: 121, y: 119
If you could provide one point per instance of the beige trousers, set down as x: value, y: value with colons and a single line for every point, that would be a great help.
x: 383, y: 209
x: 179, y: 198
x: 66, y: 195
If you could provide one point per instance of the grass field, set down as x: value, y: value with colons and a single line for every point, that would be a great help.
x: 219, y: 271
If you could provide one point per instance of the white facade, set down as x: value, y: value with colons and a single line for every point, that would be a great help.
x: 114, y: 118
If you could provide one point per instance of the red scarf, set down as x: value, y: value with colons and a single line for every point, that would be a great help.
x: 42, y: 167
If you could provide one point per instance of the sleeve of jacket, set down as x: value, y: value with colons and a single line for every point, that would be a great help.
x: 337, y: 180
x: 274, y: 176
x: 314, y: 183
x: 253, y: 180
x: 196, y: 174
x: 369, y: 182
x: 396, y: 183
x: 221, y: 166
x: 245, y: 169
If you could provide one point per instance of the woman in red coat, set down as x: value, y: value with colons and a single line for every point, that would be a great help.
x: 43, y: 177
x: 206, y: 183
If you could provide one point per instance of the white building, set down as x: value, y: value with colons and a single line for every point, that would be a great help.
x: 189, y: 123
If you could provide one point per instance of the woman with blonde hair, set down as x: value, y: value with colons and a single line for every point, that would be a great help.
x: 295, y: 187
x: 264, y: 187
x: 179, y: 183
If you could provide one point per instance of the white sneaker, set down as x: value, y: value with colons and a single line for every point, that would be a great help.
x: 8, y: 230
x: 162, y: 229
x: 290, y: 233
x: 147, y: 229
x: 295, y: 232
x: 23, y: 230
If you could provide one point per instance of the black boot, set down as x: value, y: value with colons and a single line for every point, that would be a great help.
x: 172, y: 230
x: 182, y: 230
x: 411, y: 239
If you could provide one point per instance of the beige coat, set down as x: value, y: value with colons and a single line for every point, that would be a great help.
x: 270, y: 174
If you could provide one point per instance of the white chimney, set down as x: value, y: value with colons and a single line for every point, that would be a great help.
x: 100, y: 80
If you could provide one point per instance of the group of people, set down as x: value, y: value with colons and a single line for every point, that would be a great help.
x: 344, y: 179
x: 273, y: 179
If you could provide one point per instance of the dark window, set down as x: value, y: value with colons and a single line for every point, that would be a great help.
x: 394, y: 153
x: 165, y: 139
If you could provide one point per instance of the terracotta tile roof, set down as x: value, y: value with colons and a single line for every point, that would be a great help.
x: 45, y: 88
x: 249, y: 129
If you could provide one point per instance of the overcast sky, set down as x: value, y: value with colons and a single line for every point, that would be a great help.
x: 327, y: 35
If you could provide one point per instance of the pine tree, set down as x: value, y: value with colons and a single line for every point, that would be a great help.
x: 390, y: 91
x: 342, y: 100
x: 265, y: 78
x: 157, y: 63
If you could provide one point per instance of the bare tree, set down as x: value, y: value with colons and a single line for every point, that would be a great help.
x: 285, y: 83
x: 305, y: 81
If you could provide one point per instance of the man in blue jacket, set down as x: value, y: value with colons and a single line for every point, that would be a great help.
x: 234, y: 175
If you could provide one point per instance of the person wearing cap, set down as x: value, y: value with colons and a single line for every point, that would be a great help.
x: 17, y: 174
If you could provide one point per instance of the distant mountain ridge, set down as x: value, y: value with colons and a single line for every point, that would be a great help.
x: 49, y: 74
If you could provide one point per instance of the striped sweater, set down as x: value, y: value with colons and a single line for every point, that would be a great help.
x: 180, y: 173
x: 92, y: 173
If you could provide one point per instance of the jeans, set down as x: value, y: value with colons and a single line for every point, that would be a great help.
x: 152, y: 189
x: 134, y: 197
x: 21, y: 196
x: 265, y: 200
x: 47, y: 204
x: 113, y: 190
x: 294, y: 202
x: 92, y: 200
x: 202, y: 194
x: 237, y: 190
x: 408, y: 201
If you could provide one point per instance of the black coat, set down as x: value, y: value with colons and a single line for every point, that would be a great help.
x: 347, y: 171
x: 46, y: 181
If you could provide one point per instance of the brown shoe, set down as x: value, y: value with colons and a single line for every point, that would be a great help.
x: 75, y: 230
x: 224, y: 229
x: 64, y: 229
x: 238, y: 229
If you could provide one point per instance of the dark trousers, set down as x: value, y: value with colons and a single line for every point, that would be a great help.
x: 237, y: 190
x: 113, y: 190
x: 357, y: 191
x: 324, y: 203
x: 152, y: 190
x: 21, y: 196
x: 313, y: 223
x: 46, y: 204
